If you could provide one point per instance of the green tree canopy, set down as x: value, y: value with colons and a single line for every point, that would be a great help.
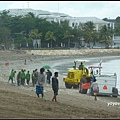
x: 50, y: 36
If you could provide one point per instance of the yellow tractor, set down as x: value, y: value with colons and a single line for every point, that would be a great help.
x: 74, y: 76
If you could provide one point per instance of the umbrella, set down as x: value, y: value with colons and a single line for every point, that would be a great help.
x: 46, y: 67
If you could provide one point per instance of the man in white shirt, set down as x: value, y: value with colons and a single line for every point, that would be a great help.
x: 40, y: 83
x: 95, y: 88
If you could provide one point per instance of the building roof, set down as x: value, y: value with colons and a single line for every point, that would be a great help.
x: 47, y: 14
x: 38, y: 12
x: 111, y: 20
x: 92, y: 19
x: 42, y: 12
x: 60, y: 14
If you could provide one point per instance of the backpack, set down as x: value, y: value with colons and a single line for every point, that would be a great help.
x: 50, y: 73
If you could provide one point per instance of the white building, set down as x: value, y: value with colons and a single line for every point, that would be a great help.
x: 58, y: 17
x: 98, y: 23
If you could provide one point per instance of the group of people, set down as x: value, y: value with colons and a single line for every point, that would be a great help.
x: 38, y: 79
x: 21, y: 77
x: 24, y: 77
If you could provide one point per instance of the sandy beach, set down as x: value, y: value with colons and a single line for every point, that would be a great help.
x: 22, y: 102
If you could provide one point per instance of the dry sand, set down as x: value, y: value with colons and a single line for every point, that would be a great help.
x: 22, y: 102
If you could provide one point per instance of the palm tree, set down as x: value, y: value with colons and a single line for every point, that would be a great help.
x: 106, y: 36
x: 34, y: 34
x: 95, y: 37
x: 88, y: 30
x: 50, y: 36
x: 68, y: 35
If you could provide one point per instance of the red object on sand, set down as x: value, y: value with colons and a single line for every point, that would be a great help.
x: 7, y: 64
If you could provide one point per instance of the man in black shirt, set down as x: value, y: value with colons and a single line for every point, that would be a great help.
x: 55, y: 86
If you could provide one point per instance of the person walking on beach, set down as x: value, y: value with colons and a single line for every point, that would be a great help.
x: 18, y: 78
x: 55, y: 86
x: 25, y: 62
x: 40, y: 83
x: 36, y: 75
x: 12, y: 76
x: 95, y: 88
x: 33, y: 78
x: 49, y: 74
x: 28, y: 78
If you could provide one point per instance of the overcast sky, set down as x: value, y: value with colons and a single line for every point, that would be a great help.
x: 100, y: 9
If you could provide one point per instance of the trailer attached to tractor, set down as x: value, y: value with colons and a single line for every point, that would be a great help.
x: 106, y: 82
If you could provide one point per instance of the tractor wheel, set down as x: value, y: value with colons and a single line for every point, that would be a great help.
x: 75, y: 86
x: 114, y: 91
x: 68, y: 86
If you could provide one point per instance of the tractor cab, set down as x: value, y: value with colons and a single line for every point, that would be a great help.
x: 74, y: 76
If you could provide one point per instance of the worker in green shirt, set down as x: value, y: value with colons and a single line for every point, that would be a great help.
x: 23, y: 77
x: 28, y: 77
x: 12, y: 75
x: 81, y: 66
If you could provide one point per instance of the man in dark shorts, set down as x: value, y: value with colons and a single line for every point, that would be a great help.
x: 55, y: 86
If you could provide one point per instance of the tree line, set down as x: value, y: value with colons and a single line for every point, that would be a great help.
x: 22, y: 30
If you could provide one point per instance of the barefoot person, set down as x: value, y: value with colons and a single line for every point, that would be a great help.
x: 95, y: 88
x: 40, y: 83
x: 55, y: 86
